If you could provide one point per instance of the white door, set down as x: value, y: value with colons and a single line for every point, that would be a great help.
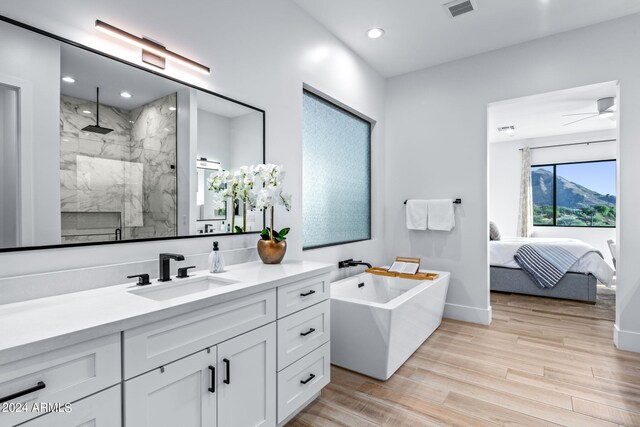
x: 247, y: 379
x: 182, y: 393
x: 100, y: 410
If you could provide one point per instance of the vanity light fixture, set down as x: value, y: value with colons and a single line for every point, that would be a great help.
x: 172, y: 108
x: 375, y: 33
x: 86, y: 111
x: 68, y: 79
x: 153, y: 53
x: 125, y: 94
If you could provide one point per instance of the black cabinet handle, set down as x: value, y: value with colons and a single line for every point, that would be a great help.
x: 311, y: 376
x: 306, y: 294
x: 227, y: 364
x: 212, y: 389
x: 24, y: 392
x: 304, y: 334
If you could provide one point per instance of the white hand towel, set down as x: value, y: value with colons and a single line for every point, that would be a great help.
x: 440, y: 215
x: 417, y: 214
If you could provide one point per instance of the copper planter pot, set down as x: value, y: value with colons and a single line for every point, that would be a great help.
x: 271, y: 251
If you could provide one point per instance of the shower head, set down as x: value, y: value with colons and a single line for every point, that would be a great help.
x: 97, y: 128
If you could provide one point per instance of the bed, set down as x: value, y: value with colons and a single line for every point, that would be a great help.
x: 579, y: 283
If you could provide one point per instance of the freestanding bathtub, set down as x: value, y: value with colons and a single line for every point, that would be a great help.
x: 377, y: 322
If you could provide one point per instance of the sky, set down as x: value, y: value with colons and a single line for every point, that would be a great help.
x: 598, y: 176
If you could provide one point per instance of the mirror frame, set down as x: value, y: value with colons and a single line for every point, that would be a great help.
x: 139, y: 67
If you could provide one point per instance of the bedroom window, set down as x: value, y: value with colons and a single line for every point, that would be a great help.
x: 336, y: 173
x: 574, y: 194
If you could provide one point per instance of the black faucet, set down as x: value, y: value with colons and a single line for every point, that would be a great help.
x: 165, y: 267
x: 351, y: 263
x: 206, y: 227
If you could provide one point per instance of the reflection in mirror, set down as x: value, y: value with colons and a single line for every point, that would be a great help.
x: 207, y: 209
x: 133, y: 151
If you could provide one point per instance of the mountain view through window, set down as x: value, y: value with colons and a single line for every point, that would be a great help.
x: 575, y: 194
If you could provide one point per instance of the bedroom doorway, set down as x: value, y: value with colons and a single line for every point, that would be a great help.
x: 552, y: 200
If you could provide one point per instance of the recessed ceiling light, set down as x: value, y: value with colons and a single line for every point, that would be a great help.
x: 125, y: 94
x: 68, y: 79
x: 375, y: 33
x: 172, y: 108
x: 86, y: 111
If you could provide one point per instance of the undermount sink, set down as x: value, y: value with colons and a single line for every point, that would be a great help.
x: 180, y: 287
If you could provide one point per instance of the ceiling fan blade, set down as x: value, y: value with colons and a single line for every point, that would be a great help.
x: 579, y: 120
x: 579, y: 114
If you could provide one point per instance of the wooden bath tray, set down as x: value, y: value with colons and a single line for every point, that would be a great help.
x: 380, y: 271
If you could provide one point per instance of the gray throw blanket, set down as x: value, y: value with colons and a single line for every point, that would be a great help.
x: 546, y: 263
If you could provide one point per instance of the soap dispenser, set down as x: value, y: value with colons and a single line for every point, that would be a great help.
x: 216, y: 262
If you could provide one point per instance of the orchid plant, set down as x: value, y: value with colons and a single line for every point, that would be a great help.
x: 271, y: 195
x: 240, y: 186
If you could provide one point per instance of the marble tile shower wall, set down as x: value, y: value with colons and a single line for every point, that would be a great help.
x: 124, y: 179
x: 153, y: 143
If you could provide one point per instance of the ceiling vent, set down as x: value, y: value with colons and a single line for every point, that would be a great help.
x: 459, y: 7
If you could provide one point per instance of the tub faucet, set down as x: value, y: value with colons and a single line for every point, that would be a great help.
x: 351, y: 263
x: 165, y: 272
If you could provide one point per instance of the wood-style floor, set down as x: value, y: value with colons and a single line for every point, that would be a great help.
x: 540, y: 362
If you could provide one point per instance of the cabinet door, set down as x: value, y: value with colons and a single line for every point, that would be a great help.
x: 247, y: 379
x: 100, y: 410
x: 182, y: 393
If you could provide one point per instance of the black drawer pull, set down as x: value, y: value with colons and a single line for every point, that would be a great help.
x: 304, y: 334
x: 212, y: 389
x: 306, y: 294
x: 311, y: 376
x: 227, y: 363
x: 24, y: 392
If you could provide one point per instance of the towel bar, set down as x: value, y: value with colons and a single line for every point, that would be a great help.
x: 455, y: 202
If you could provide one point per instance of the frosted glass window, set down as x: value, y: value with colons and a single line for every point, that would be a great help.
x: 336, y: 194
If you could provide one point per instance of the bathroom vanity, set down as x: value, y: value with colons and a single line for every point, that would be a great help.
x: 247, y: 347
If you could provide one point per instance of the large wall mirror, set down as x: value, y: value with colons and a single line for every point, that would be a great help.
x: 95, y: 150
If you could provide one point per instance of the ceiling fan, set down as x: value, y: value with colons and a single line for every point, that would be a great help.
x: 606, y: 109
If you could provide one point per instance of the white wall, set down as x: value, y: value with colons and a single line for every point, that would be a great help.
x: 246, y: 140
x: 504, y: 181
x: 260, y: 53
x: 214, y: 136
x: 437, y: 133
x: 35, y: 68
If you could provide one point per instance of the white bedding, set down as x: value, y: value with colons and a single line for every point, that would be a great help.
x: 502, y: 251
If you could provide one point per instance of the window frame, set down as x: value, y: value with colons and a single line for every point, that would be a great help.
x: 306, y: 90
x: 554, y: 165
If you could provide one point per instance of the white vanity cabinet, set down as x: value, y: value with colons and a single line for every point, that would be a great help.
x: 99, y: 410
x: 57, y: 377
x: 181, y: 393
x: 247, y: 379
x: 303, y: 343
x: 251, y: 360
x: 231, y: 384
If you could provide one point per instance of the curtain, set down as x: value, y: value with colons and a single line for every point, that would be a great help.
x: 525, y: 211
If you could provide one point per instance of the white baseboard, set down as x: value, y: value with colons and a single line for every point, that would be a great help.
x: 626, y: 340
x: 466, y: 313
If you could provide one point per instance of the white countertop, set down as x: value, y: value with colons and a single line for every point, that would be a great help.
x: 35, y: 326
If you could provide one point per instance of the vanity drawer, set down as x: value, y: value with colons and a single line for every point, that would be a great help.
x: 150, y: 346
x: 99, y: 410
x: 300, y: 381
x: 59, y: 376
x: 296, y: 296
x: 302, y: 332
